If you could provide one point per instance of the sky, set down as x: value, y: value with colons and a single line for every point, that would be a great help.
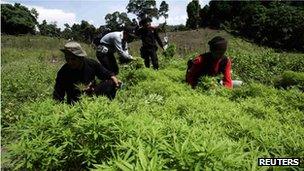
x: 94, y: 11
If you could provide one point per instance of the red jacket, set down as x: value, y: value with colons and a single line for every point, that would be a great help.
x: 205, y: 65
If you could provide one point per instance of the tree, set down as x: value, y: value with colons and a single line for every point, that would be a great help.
x: 279, y: 24
x: 221, y: 11
x: 204, y: 16
x: 84, y: 32
x: 116, y: 20
x: 193, y: 9
x: 18, y: 19
x: 67, y: 32
x: 143, y: 8
x: 88, y: 31
x: 34, y: 13
x: 50, y: 30
x: 163, y: 9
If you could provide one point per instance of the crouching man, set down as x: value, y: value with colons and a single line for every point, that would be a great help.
x: 81, y: 70
x: 212, y: 63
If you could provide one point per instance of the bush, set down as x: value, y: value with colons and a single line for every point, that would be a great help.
x: 170, y: 51
x: 208, y: 83
x: 253, y: 63
x: 138, y: 63
x: 291, y: 79
x: 72, y: 140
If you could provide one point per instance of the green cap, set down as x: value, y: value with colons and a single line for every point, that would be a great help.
x: 74, y: 48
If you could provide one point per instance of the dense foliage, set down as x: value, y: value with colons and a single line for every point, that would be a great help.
x: 291, y: 79
x: 17, y: 19
x: 117, y: 20
x: 157, y: 122
x: 144, y: 8
x: 193, y: 9
x: 50, y: 30
x: 170, y: 51
x: 163, y: 9
x: 84, y: 32
x: 278, y: 24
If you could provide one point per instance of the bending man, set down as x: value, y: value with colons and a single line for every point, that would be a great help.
x: 115, y: 42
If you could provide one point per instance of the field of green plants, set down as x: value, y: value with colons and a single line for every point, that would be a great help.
x: 156, y: 122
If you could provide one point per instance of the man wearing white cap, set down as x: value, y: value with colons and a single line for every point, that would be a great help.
x: 81, y: 70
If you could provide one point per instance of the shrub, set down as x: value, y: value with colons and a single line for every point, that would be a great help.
x: 253, y: 63
x: 208, y: 83
x: 136, y: 64
x: 170, y: 51
x: 291, y: 79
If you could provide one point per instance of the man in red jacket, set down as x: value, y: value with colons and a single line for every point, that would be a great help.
x: 212, y: 63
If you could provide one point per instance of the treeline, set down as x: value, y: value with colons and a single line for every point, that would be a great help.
x: 279, y: 24
x: 17, y: 19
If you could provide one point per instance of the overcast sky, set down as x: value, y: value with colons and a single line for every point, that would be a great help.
x: 94, y: 11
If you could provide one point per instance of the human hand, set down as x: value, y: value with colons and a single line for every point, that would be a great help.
x: 116, y: 81
x: 131, y: 58
x: 89, y: 88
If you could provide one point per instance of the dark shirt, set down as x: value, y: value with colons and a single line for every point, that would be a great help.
x: 205, y: 65
x: 149, y: 37
x: 68, y: 78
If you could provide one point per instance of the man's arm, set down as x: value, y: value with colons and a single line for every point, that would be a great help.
x: 60, y: 87
x: 101, y: 72
x: 120, y: 50
x: 138, y: 31
x: 194, y: 72
x: 158, y: 39
x: 227, y: 81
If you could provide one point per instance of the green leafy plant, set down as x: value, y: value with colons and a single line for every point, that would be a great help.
x: 291, y: 79
x: 209, y: 83
x: 170, y: 51
x: 157, y: 123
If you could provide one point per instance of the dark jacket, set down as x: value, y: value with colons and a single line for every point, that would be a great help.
x: 205, y: 65
x: 68, y: 78
x: 149, y: 37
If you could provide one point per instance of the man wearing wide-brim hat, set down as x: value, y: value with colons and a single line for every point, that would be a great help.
x: 80, y: 70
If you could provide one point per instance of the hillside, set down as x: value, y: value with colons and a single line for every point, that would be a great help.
x: 157, y: 122
x: 192, y: 41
